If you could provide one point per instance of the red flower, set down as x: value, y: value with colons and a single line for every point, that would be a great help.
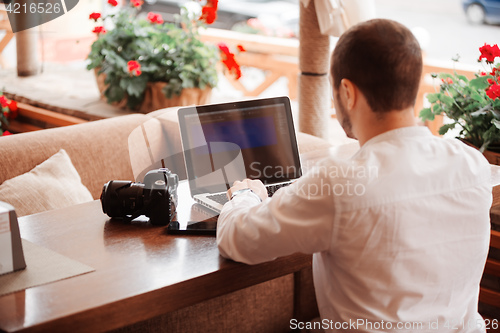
x: 223, y: 47
x: 113, y: 3
x: 208, y: 14
x: 493, y: 91
x: 237, y: 72
x: 132, y: 64
x: 491, y: 81
x: 155, y: 18
x: 484, y: 73
x: 448, y: 80
x: 99, y: 30
x: 4, y: 102
x: 94, y: 16
x: 13, y: 109
x: 134, y: 67
x: 489, y: 52
x: 13, y: 106
x: 5, y: 133
x: 229, y: 61
x: 136, y: 3
x: 240, y: 48
x: 495, y: 71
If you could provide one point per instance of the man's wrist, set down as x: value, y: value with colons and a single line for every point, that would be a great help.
x: 244, y: 190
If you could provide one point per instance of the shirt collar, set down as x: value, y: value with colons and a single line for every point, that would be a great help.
x: 399, y: 134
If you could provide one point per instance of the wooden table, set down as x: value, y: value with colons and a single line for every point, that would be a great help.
x: 141, y: 272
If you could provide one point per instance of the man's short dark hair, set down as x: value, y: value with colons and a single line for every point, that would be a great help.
x: 383, y: 59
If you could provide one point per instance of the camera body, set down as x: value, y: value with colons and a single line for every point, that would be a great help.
x: 156, y: 197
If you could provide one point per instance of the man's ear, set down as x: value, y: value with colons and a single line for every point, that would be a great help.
x: 349, y: 93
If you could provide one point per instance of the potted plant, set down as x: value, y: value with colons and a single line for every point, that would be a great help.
x: 9, y: 111
x: 473, y: 106
x: 147, y: 64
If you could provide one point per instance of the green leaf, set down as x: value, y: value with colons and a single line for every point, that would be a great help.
x: 446, y: 127
x: 496, y: 123
x: 447, y: 100
x: 136, y: 86
x: 496, y: 104
x: 433, y: 98
x: 472, y: 107
x: 496, y: 114
x: 188, y: 68
x: 480, y: 112
x: 114, y: 94
x: 479, y: 83
x: 445, y: 75
x: 150, y: 68
x: 437, y: 109
x: 476, y: 96
x: 426, y: 114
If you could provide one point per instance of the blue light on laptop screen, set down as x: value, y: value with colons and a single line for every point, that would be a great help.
x: 246, y: 133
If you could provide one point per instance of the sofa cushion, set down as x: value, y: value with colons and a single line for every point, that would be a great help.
x: 157, y: 144
x: 53, y: 184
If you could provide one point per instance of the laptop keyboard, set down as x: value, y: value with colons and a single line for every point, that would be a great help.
x: 219, y: 198
x: 271, y: 189
x: 222, y: 197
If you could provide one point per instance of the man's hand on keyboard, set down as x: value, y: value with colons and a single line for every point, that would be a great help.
x: 255, y: 185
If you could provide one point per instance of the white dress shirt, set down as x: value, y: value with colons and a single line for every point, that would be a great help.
x: 400, y: 233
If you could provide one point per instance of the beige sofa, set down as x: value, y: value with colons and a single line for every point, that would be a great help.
x: 100, y: 151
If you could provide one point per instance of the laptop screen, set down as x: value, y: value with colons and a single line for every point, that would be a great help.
x: 249, y: 139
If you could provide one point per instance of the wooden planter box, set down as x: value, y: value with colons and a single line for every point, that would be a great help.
x: 31, y: 118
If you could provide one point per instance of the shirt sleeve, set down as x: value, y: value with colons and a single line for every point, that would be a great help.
x: 298, y: 218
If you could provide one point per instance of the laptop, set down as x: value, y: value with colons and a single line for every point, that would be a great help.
x: 226, y: 142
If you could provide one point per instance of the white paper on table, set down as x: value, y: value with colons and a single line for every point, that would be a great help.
x: 6, y: 258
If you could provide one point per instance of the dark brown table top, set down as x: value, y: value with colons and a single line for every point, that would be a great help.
x: 140, y: 272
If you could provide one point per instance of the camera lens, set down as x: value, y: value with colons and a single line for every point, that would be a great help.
x: 122, y: 198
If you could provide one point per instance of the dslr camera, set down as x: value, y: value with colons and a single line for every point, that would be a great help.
x: 156, y: 197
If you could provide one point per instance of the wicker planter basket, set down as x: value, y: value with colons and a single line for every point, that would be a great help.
x: 154, y: 99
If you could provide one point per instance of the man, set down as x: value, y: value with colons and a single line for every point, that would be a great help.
x: 400, y: 231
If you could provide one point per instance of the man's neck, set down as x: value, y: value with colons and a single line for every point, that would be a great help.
x: 378, y: 123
